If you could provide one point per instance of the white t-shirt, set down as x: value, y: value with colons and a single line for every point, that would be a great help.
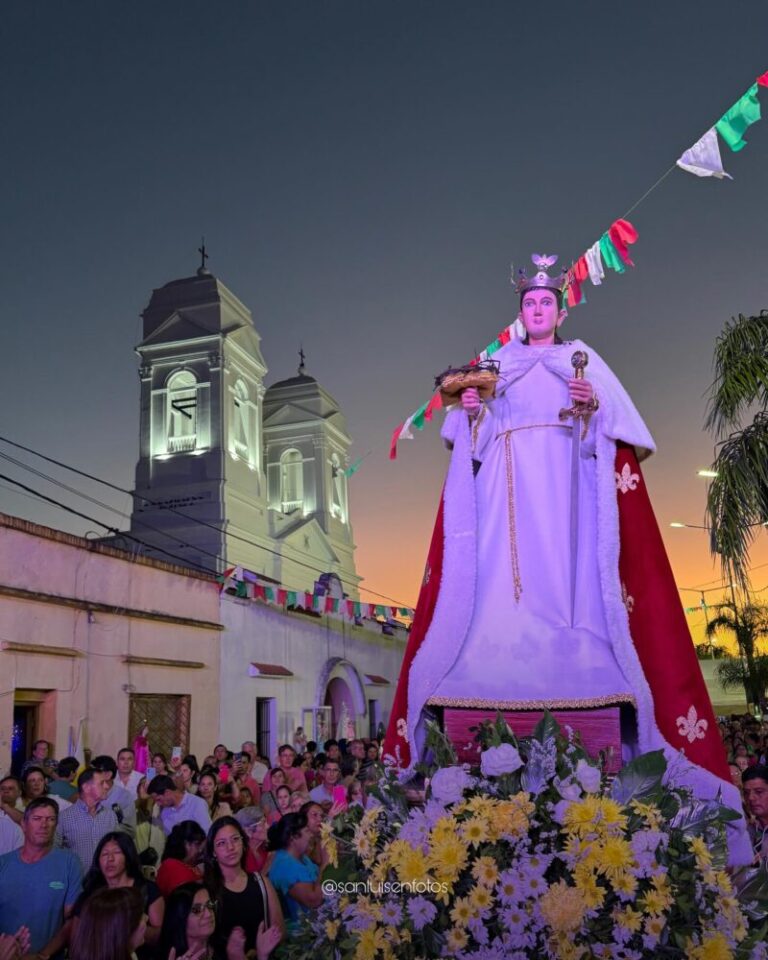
x: 11, y: 836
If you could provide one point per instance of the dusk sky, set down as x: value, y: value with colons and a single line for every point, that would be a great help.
x: 364, y: 173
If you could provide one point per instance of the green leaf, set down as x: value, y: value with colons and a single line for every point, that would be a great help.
x: 696, y: 815
x: 546, y: 727
x: 441, y: 747
x: 640, y: 777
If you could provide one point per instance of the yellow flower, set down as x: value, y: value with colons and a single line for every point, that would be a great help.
x: 331, y: 929
x: 654, y: 902
x: 511, y: 816
x: 481, y: 805
x: 412, y: 866
x: 474, y: 831
x: 456, y: 941
x: 655, y: 926
x: 625, y: 883
x: 713, y: 947
x: 485, y: 871
x: 648, y: 812
x: 371, y: 942
x: 445, y: 827
x: 611, y: 813
x: 587, y: 885
x: 700, y: 851
x: 580, y: 816
x: 481, y: 898
x: 462, y: 912
x: 613, y: 857
x: 328, y: 842
x: 448, y: 857
x: 628, y: 919
x: 563, y: 908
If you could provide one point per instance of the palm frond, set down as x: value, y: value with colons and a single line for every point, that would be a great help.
x: 741, y: 372
x: 737, y: 502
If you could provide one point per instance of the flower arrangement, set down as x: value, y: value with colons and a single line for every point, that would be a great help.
x: 536, y: 854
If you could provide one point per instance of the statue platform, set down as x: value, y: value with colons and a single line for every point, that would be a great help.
x: 598, y: 729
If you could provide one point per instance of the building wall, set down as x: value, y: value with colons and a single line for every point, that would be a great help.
x: 82, y: 608
x: 314, y: 650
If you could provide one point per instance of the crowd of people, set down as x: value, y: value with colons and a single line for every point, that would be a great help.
x: 188, y: 860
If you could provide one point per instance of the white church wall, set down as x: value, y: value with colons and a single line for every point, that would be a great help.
x: 314, y: 650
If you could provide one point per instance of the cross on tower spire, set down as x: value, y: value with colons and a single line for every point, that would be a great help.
x: 302, y: 359
x: 202, y: 270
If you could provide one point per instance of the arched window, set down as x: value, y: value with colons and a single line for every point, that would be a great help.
x: 338, y: 489
x: 291, y: 481
x: 182, y: 411
x: 240, y: 418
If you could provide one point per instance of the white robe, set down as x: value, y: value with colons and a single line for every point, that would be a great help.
x: 524, y: 651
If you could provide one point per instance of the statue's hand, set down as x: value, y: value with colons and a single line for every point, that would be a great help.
x: 580, y: 391
x: 470, y: 401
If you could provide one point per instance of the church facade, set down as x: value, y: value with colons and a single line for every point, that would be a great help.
x: 231, y: 473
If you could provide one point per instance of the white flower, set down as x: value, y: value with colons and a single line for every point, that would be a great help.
x: 568, y: 789
x: 588, y: 776
x: 496, y: 761
x: 449, y: 784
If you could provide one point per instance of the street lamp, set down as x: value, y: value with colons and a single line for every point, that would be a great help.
x: 707, y: 473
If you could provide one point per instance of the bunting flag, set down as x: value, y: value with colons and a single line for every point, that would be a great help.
x: 703, y: 158
x: 354, y: 467
x: 734, y: 122
x: 318, y: 602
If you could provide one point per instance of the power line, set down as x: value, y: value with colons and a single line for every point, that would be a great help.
x: 179, y: 513
x: 113, y: 530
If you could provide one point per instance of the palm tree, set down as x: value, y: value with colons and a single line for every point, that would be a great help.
x: 748, y: 623
x: 731, y: 673
x: 737, y: 502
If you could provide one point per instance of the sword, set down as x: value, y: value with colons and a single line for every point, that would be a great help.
x: 575, y: 413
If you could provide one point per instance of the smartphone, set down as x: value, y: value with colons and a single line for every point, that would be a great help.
x: 340, y: 796
x: 176, y: 753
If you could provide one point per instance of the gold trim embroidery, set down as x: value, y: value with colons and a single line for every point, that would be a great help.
x: 476, y: 427
x: 609, y: 700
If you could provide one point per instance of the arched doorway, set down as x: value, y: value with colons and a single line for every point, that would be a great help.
x: 341, y: 689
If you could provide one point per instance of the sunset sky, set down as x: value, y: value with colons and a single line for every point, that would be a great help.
x: 364, y: 173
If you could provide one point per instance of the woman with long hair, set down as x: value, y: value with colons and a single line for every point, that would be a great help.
x: 283, y: 800
x: 182, y: 857
x: 188, y: 774
x: 208, y: 789
x: 244, y: 900
x: 116, y: 866
x: 189, y: 927
x: 111, y: 927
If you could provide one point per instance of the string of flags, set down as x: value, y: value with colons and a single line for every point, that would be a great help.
x: 248, y: 587
x: 611, y: 251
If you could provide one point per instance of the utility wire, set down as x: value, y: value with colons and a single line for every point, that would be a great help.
x: 106, y: 526
x: 185, y: 516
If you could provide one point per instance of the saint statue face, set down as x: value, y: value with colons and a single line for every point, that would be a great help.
x: 540, y: 316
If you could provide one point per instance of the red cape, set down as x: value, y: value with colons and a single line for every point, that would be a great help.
x: 657, y: 624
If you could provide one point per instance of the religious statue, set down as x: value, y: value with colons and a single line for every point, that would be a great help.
x: 547, y: 584
x: 141, y: 752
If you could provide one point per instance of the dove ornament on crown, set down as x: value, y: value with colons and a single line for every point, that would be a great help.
x: 541, y: 280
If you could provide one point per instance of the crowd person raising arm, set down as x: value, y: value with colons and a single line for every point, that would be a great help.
x: 296, y: 878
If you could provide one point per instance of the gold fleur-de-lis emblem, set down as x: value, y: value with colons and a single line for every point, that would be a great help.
x: 627, y: 600
x: 626, y: 480
x: 427, y: 575
x: 691, y: 726
x: 402, y: 728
